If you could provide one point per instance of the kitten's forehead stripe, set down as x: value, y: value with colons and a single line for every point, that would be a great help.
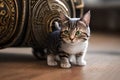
x: 73, y: 22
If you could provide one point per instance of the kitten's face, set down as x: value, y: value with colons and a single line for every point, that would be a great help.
x: 75, y: 30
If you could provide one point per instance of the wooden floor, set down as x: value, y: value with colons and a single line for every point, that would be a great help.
x: 103, y: 63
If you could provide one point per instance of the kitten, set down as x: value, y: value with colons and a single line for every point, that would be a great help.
x: 70, y: 42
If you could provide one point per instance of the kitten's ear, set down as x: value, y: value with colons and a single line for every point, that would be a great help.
x: 86, y: 17
x: 63, y: 17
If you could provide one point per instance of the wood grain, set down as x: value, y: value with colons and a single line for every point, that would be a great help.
x: 103, y: 63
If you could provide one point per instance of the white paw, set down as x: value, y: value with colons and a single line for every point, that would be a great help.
x: 72, y: 59
x: 52, y: 63
x: 65, y: 65
x: 81, y: 63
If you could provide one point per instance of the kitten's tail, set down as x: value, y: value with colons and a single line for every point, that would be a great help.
x: 57, y: 26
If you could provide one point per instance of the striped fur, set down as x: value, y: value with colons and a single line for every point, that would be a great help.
x: 70, y: 40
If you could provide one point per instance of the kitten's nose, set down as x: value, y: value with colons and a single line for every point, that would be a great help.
x: 71, y: 38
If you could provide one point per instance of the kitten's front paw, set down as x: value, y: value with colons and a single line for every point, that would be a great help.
x: 65, y: 65
x: 81, y: 63
x: 72, y: 59
x: 52, y: 63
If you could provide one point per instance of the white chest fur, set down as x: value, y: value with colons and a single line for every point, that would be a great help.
x: 74, y: 49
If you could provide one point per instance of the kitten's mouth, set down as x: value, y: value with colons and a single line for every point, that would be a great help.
x: 72, y: 42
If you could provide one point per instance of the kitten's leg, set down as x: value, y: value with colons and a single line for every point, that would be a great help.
x: 80, y: 59
x: 51, y: 60
x: 72, y: 59
x: 39, y: 53
x: 65, y: 62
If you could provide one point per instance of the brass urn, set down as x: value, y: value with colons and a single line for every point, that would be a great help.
x: 26, y: 23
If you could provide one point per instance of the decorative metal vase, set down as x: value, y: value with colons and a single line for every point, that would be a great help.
x: 26, y: 23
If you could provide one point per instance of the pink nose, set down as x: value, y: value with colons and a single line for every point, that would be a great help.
x: 71, y: 38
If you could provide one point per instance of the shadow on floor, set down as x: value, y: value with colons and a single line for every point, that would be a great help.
x: 17, y: 57
x: 114, y: 53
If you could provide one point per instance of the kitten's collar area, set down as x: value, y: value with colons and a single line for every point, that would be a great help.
x: 74, y: 49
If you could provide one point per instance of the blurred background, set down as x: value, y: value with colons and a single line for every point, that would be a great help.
x: 105, y: 26
x: 105, y: 15
x: 102, y: 58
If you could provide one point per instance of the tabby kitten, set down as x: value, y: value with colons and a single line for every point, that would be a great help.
x: 70, y: 42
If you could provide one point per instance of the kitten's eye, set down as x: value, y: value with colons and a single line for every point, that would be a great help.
x: 66, y: 32
x: 78, y: 33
